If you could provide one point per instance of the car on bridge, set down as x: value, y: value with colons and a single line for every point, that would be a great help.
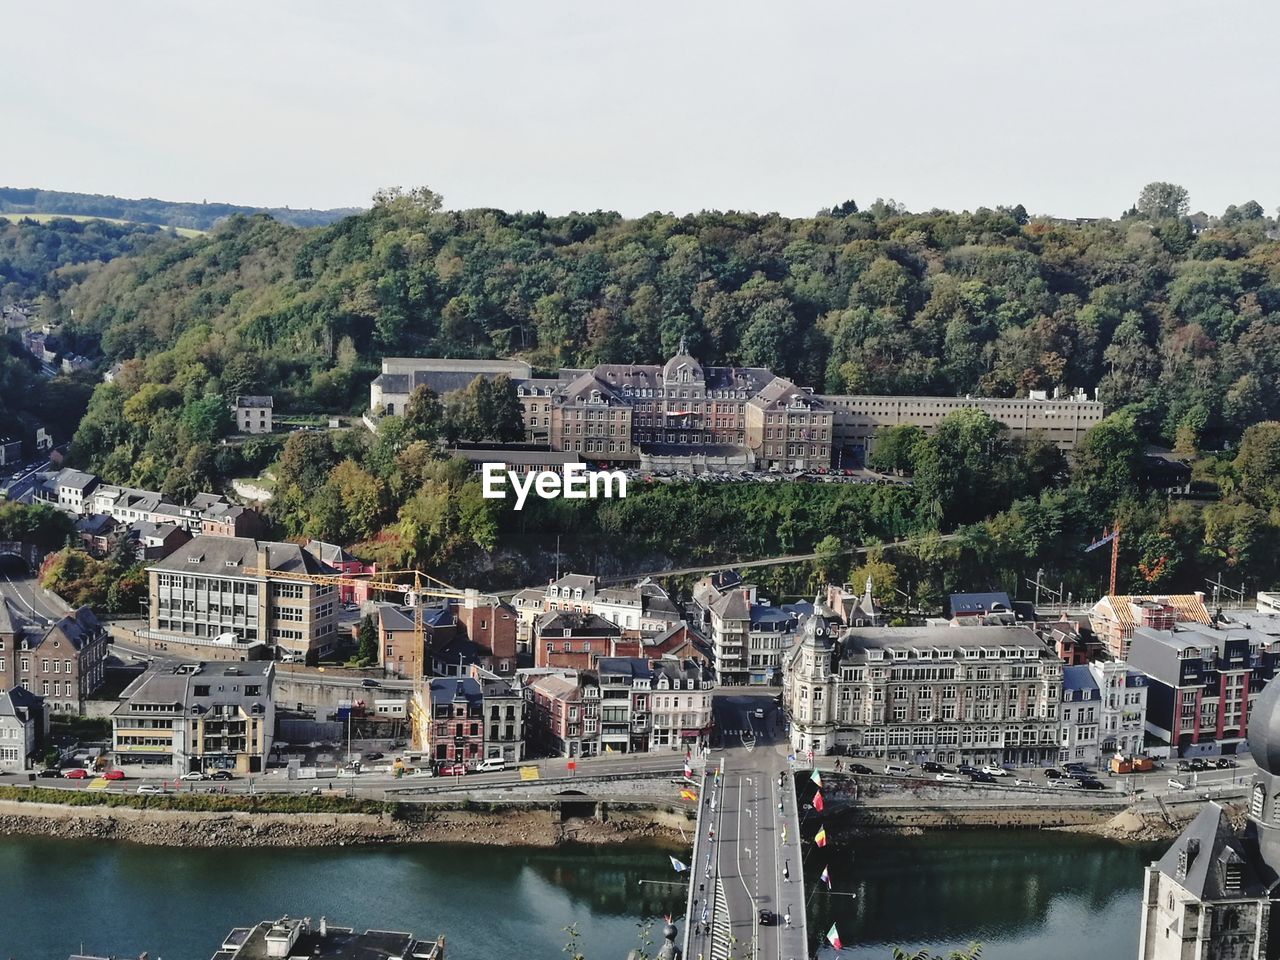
x: 860, y: 768
x: 946, y: 777
x: 768, y: 918
x: 76, y: 773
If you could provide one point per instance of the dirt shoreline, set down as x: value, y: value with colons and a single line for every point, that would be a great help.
x: 539, y: 827
x: 532, y: 826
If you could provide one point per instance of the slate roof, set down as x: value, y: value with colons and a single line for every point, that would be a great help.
x: 1081, y: 678
x: 976, y: 603
x: 254, y: 401
x: 19, y: 700
x: 231, y: 556
x: 1201, y: 856
x: 734, y: 605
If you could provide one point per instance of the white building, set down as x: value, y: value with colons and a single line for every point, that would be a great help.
x: 24, y: 725
x: 252, y: 414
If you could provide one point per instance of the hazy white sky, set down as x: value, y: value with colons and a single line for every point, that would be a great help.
x: 1067, y: 107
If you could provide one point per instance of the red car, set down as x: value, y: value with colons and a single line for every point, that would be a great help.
x: 76, y: 773
x: 114, y: 774
x: 453, y: 770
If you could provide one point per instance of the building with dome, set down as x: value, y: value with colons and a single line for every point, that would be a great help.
x: 1213, y: 893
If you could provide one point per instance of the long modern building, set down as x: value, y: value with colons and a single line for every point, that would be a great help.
x: 213, y: 587
x: 400, y: 376
x: 980, y: 695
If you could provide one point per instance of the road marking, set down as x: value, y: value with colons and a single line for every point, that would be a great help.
x: 528, y: 773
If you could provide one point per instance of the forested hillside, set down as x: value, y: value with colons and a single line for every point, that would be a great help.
x: 1174, y: 319
x: 195, y: 216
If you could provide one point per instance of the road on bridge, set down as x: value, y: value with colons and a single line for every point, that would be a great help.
x: 759, y: 897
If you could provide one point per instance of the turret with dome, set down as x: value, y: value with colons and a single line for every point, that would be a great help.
x: 682, y: 368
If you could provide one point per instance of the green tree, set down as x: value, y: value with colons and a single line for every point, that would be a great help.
x: 1159, y: 200
x: 1258, y: 464
x: 367, y: 636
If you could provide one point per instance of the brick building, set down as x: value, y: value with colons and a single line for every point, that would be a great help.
x: 63, y: 663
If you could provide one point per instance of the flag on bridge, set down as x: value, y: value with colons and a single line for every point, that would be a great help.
x: 679, y: 867
x: 818, y: 802
x: 688, y: 764
x: 687, y: 794
x: 833, y: 937
x: 825, y: 877
x: 816, y: 777
x: 820, y: 838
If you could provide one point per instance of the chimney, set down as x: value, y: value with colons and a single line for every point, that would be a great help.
x: 1200, y: 595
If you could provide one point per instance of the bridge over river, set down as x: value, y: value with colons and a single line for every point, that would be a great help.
x: 747, y: 892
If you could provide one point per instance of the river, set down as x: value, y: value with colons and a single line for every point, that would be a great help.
x: 1022, y: 894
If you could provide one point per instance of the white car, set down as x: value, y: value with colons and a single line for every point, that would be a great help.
x: 1023, y: 782
x: 193, y: 775
x: 995, y: 771
x: 949, y: 778
x: 1178, y: 784
x: 1066, y: 783
x: 149, y: 789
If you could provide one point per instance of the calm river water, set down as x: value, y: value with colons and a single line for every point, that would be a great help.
x: 1022, y: 894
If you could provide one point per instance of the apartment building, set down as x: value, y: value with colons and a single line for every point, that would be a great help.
x: 63, y: 663
x: 503, y: 706
x: 183, y: 717
x: 574, y: 641
x: 491, y: 630
x: 1104, y: 711
x: 989, y: 695
x: 213, y: 587
x: 24, y: 729
x: 666, y: 705
x: 562, y: 712
x: 448, y: 720
x: 1203, y: 681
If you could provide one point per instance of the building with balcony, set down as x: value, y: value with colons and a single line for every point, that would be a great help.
x: 923, y: 693
x: 179, y: 717
x: 1203, y: 681
x: 447, y: 716
x: 1104, y: 707
x: 215, y: 587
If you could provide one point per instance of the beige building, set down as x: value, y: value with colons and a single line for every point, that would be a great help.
x: 400, y: 376
x: 1062, y: 419
x: 213, y: 587
x: 951, y: 695
x: 252, y: 414
x: 182, y: 717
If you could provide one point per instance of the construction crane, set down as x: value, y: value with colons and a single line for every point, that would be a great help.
x: 1112, y: 537
x: 423, y: 585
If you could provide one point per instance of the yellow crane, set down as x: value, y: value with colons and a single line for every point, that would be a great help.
x: 423, y: 585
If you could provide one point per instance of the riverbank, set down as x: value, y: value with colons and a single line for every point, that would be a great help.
x: 492, y: 826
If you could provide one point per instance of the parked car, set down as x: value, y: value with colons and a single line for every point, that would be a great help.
x: 76, y: 773
x: 967, y: 769
x: 981, y: 776
x: 860, y: 768
x: 1075, y: 767
x: 1023, y: 782
x: 1179, y: 784
x: 51, y: 772
x: 373, y: 755
x: 221, y: 775
x: 1224, y: 763
x: 193, y: 775
x: 945, y: 777
x: 369, y: 682
x: 1194, y: 765
x: 1091, y: 783
x: 453, y: 770
x: 929, y: 766
x: 896, y: 769
x: 1053, y: 774
x: 1069, y: 783
x: 149, y: 789
x: 491, y: 765
x: 995, y: 771
x: 114, y: 775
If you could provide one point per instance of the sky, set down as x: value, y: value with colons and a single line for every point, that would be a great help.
x: 1065, y: 106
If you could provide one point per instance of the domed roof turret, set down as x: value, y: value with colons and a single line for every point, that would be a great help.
x: 682, y: 367
x: 1264, y: 729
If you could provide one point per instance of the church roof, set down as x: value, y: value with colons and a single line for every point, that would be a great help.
x: 1210, y: 862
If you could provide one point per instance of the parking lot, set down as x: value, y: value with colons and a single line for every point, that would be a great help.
x: 822, y: 475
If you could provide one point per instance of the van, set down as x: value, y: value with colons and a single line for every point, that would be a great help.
x: 491, y: 765
x: 896, y: 770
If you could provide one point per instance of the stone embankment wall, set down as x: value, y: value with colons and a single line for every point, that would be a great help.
x: 541, y: 827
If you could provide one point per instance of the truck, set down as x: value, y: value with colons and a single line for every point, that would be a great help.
x: 1135, y: 764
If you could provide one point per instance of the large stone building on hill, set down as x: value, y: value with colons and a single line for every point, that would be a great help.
x: 685, y: 415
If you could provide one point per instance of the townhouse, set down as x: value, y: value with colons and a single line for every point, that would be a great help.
x: 63, y: 663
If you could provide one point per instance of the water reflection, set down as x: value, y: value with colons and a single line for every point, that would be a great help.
x: 1022, y: 894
